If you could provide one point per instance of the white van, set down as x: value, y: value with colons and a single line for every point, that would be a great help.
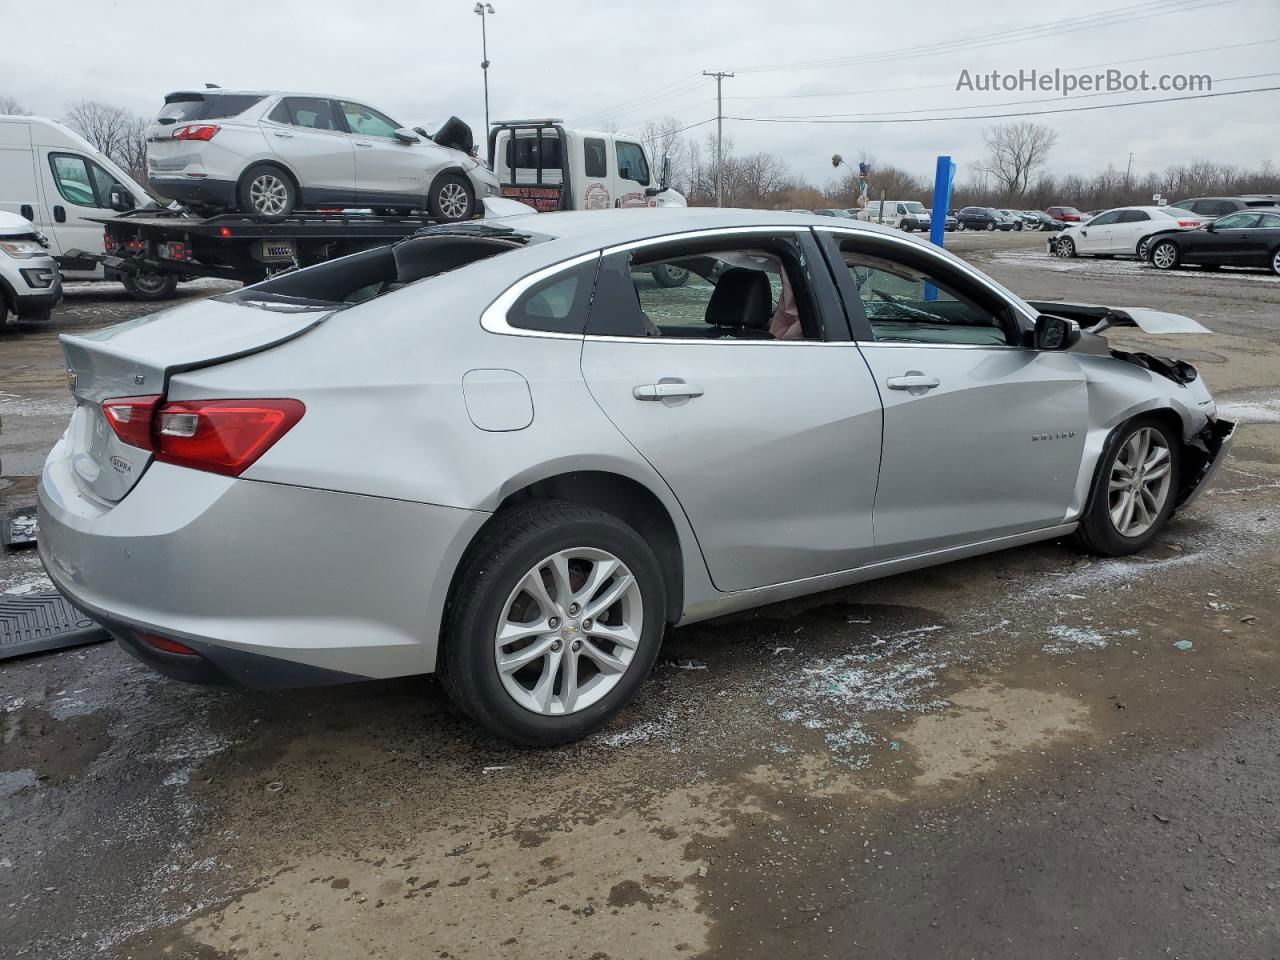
x: 550, y: 167
x: 55, y: 178
x: 906, y: 215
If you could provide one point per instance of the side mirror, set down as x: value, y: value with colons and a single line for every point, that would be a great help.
x: 405, y: 135
x: 1211, y: 226
x: 121, y: 199
x: 664, y: 178
x: 1056, y: 333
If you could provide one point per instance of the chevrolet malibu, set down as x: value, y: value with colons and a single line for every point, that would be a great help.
x: 501, y: 452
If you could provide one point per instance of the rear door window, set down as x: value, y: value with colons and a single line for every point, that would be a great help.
x: 557, y: 304
x: 314, y: 113
x: 596, y: 157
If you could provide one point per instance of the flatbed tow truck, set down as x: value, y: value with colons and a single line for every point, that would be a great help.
x: 237, y: 246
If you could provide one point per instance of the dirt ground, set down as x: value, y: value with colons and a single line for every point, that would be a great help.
x: 1004, y: 757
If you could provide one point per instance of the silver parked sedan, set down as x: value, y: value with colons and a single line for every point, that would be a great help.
x: 501, y: 451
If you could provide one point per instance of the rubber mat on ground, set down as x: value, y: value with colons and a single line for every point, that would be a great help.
x: 43, y: 621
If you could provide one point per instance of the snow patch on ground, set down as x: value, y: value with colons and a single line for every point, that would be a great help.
x: 1067, y: 639
x: 1256, y: 411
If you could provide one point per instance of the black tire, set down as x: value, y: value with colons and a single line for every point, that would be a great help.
x: 1064, y: 247
x: 268, y: 191
x: 991, y: 225
x: 1166, y: 256
x: 960, y: 225
x: 1017, y: 226
x: 513, y: 544
x: 665, y: 275
x: 1141, y: 249
x: 1097, y: 532
x: 1275, y: 262
x: 151, y: 287
x: 8, y: 320
x: 451, y: 199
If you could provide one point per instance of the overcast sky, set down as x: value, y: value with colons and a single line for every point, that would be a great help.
x: 631, y: 62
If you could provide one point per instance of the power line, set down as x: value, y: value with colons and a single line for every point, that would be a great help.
x: 644, y: 96
x: 950, y: 86
x: 999, y: 116
x: 1005, y: 103
x: 1120, y: 15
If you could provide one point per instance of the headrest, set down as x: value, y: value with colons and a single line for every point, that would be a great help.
x: 742, y: 298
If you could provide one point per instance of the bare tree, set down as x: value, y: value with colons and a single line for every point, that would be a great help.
x: 117, y: 132
x: 1015, y: 151
x: 10, y: 105
x: 663, y: 140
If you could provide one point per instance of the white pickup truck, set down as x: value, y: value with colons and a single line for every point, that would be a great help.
x: 550, y: 167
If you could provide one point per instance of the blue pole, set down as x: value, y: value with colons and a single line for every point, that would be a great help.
x: 943, y: 177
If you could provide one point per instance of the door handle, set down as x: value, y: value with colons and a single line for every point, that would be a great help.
x: 913, y: 381
x: 667, y: 390
x: 360, y: 143
x: 283, y: 136
x: 59, y: 214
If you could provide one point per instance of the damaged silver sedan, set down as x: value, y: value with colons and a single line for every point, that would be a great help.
x: 505, y: 452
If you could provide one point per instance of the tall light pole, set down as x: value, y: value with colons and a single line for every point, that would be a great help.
x: 719, y: 76
x: 485, y: 10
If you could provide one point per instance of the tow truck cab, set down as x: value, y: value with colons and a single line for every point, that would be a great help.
x: 550, y: 167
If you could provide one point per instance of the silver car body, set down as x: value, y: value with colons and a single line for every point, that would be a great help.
x: 767, y: 469
x: 332, y: 163
x: 30, y: 284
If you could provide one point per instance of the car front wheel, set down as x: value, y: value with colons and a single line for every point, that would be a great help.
x: 1164, y: 255
x: 1275, y: 263
x: 1134, y: 490
x: 1065, y: 247
x: 960, y: 225
x: 991, y: 225
x: 556, y: 621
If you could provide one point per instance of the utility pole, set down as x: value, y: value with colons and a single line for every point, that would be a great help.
x: 1128, y: 171
x: 484, y: 9
x: 719, y: 76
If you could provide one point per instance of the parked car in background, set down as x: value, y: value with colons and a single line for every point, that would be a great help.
x: 1065, y: 214
x: 269, y: 153
x: 1018, y: 218
x: 1248, y: 238
x: 1042, y: 221
x: 906, y: 215
x: 30, y: 285
x: 983, y: 218
x: 1123, y: 232
x: 949, y: 224
x: 55, y: 178
x: 546, y: 520
x: 1209, y: 208
x: 834, y: 212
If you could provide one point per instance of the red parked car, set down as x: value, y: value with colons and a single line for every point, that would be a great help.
x: 1065, y: 214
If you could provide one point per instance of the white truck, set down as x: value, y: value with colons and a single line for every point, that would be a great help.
x: 548, y: 166
x: 55, y: 178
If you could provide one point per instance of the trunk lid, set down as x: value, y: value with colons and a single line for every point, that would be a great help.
x: 137, y: 357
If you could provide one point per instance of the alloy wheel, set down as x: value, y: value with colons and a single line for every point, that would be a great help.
x: 1065, y: 247
x: 1142, y: 248
x: 1165, y: 256
x: 1275, y: 263
x: 1140, y: 482
x: 268, y: 194
x: 569, y: 631
x: 453, y: 200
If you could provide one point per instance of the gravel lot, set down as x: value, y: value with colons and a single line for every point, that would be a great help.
x: 1003, y: 757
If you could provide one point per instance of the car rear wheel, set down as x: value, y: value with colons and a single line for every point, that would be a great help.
x: 1275, y: 263
x: 1165, y: 256
x: 1065, y: 247
x: 452, y: 199
x: 150, y: 287
x: 1134, y: 490
x: 556, y: 621
x: 991, y: 225
x: 1142, y: 249
x: 267, y: 191
x: 960, y: 225
x: 665, y: 275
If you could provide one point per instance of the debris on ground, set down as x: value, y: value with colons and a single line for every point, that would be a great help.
x: 1183, y: 644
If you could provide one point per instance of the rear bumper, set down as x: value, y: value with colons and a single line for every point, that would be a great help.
x: 272, y: 585
x: 202, y: 191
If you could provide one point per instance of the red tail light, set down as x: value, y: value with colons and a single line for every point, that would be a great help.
x: 220, y: 436
x: 1188, y: 223
x: 168, y: 645
x: 130, y: 418
x: 196, y: 131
